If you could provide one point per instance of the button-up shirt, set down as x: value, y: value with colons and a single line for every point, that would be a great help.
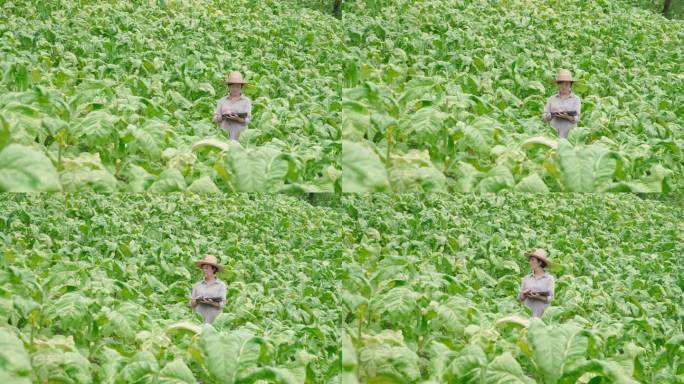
x: 241, y: 105
x: 214, y: 289
x: 543, y: 283
x: 556, y: 103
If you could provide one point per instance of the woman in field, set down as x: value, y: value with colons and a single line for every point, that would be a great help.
x: 209, y: 295
x: 563, y: 108
x: 234, y: 112
x: 537, y: 288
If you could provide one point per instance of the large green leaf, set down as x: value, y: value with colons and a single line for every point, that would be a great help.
x: 260, y: 169
x: 15, y: 366
x: 96, y: 128
x: 142, y: 368
x: 389, y: 364
x: 355, y: 120
x: 171, y: 180
x: 540, y: 141
x: 146, y: 140
x: 362, y: 170
x: 440, y: 356
x: 397, y: 304
x: 414, y: 172
x: 585, y: 169
x: 556, y: 349
x: 70, y: 310
x: 608, y: 369
x: 24, y: 169
x: 55, y: 365
x: 349, y: 361
x: 117, y: 324
x: 450, y: 316
x: 184, y: 326
x: 424, y: 125
x: 176, y: 372
x: 211, y: 144
x: 504, y: 369
x: 229, y: 356
x: 468, y: 177
x: 139, y: 178
x: 496, y: 179
x: 652, y: 183
x: 279, y: 375
x: 111, y: 364
x: 203, y: 185
x: 532, y: 184
x: 467, y: 366
x: 86, y: 172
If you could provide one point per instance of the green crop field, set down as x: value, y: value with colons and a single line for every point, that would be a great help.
x: 430, y: 285
x: 119, y: 96
x: 94, y: 289
x: 447, y: 96
x: 374, y: 215
x: 409, y: 288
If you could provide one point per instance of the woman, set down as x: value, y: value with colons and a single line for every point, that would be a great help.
x: 563, y: 108
x: 209, y: 295
x: 229, y: 107
x: 537, y: 288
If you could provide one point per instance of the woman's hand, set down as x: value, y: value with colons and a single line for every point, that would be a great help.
x: 236, y: 118
x: 229, y: 115
x: 567, y: 117
x: 193, y: 303
x: 202, y: 300
x: 210, y: 302
x: 536, y: 296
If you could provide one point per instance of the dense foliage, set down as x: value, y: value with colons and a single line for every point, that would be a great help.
x: 676, y: 9
x: 94, y: 289
x: 119, y: 95
x: 430, y: 287
x: 447, y: 96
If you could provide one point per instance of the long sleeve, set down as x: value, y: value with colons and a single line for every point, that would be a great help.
x: 217, y: 113
x: 192, y: 296
x: 551, y: 286
x: 522, y: 289
x: 546, y: 116
x: 579, y: 107
x: 249, y: 112
x: 222, y: 295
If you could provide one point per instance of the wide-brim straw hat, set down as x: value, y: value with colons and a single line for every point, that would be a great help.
x: 564, y: 75
x: 540, y: 254
x: 235, y: 78
x: 209, y: 260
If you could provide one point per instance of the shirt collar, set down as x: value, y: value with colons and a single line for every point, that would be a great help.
x: 545, y: 275
x: 216, y: 281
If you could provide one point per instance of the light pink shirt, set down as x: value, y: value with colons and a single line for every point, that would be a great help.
x: 544, y: 283
x: 214, y: 289
x: 225, y: 105
x: 558, y: 104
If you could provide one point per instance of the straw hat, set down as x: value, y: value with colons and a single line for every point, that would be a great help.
x: 210, y: 260
x: 234, y: 78
x: 564, y: 75
x: 540, y: 254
